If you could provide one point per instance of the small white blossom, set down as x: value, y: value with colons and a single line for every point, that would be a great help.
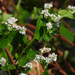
x: 49, y: 25
x: 55, y: 18
x: 0, y: 11
x: 10, y: 25
x: 38, y: 58
x: 45, y: 12
x: 47, y: 6
x: 29, y: 65
x: 48, y: 60
x: 22, y: 74
x: 11, y: 20
x: 3, y: 61
x: 54, y: 57
x: 71, y: 7
x: 45, y: 49
x: 57, y: 23
x: 22, y: 30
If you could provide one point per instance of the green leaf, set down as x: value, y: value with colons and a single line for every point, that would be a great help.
x: 45, y: 73
x: 46, y: 38
x: 24, y: 39
x: 8, y: 67
x: 66, y: 52
x: 31, y: 54
x: 11, y: 67
x: 66, y: 33
x: 4, y: 68
x: 1, y: 20
x: 34, y: 15
x: 37, y: 34
x: 65, y: 13
x: 16, y: 55
x: 23, y: 16
x: 2, y: 26
x: 11, y: 36
x: 4, y: 42
x: 39, y: 24
x: 22, y: 61
x: 6, y: 16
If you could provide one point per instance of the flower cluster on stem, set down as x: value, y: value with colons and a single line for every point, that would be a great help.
x: 44, y: 49
x: 28, y: 65
x: 10, y: 25
x: 71, y: 9
x: 51, y: 57
x: 2, y: 61
x: 54, y: 18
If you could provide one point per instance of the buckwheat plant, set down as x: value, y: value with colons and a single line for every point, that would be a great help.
x: 14, y: 43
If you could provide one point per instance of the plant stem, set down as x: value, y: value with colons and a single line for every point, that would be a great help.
x: 45, y: 67
x: 27, y: 46
x: 18, y: 4
x: 9, y: 72
x: 65, y: 3
x: 16, y: 11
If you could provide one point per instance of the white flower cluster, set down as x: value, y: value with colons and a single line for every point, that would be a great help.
x: 10, y: 25
x: 28, y: 65
x: 47, y: 5
x: 2, y: 61
x: 55, y: 18
x: 57, y: 23
x: 49, y: 25
x: 22, y: 30
x: 45, y: 11
x: 44, y: 49
x: 72, y: 9
x: 46, y: 14
x: 11, y: 20
x: 22, y: 74
x: 38, y: 58
x: 51, y: 57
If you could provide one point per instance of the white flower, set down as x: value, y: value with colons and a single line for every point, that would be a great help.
x: 48, y: 60
x: 71, y: 7
x: 54, y: 57
x: 55, y: 18
x: 22, y: 30
x: 57, y: 23
x: 29, y: 65
x: 45, y: 12
x: 22, y: 74
x: 47, y: 6
x: 3, y: 61
x: 38, y: 58
x: 11, y: 20
x: 45, y: 49
x: 49, y: 25
x: 0, y: 11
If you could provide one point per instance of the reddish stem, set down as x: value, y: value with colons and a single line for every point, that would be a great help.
x: 10, y: 56
x: 67, y: 25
